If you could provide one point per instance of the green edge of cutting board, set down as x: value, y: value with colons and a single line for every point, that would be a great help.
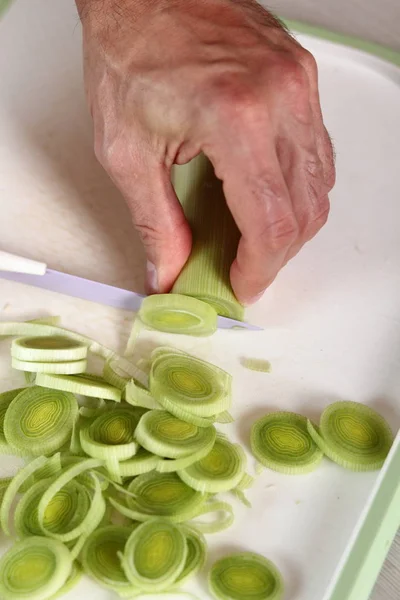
x: 371, y: 541
x: 378, y: 50
x: 379, y: 523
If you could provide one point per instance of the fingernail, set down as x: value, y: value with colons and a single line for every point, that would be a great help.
x: 151, y: 278
x: 254, y: 299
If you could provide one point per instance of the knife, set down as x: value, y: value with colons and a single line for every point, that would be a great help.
x: 30, y: 272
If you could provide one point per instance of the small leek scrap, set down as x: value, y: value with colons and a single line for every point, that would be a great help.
x: 215, y: 238
x: 34, y: 568
x: 245, y: 575
x: 256, y: 364
x: 280, y: 441
x: 353, y: 435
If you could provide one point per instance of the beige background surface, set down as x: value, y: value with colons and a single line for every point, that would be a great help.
x: 377, y: 21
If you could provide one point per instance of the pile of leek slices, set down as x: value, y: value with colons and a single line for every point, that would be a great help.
x: 122, y: 468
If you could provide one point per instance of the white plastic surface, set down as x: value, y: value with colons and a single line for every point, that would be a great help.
x: 333, y: 314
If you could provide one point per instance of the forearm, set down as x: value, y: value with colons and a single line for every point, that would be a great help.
x: 98, y: 9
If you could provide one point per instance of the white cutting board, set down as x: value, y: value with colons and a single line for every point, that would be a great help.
x: 332, y: 318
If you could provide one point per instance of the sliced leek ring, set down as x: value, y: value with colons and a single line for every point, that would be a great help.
x: 48, y: 349
x: 174, y: 313
x: 192, y: 385
x: 280, y: 441
x: 86, y: 385
x: 39, y: 422
x: 353, y: 435
x: 220, y: 470
x: 155, y: 555
x: 245, y: 575
x: 58, y: 368
x: 163, y: 434
x: 5, y: 401
x: 100, y: 557
x: 34, y: 568
x: 160, y: 495
x: 196, y: 554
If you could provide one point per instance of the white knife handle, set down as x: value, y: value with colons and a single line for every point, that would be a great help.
x: 19, y: 264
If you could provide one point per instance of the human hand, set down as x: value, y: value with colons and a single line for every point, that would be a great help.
x: 166, y: 79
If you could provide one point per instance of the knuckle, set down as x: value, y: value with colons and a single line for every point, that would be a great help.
x: 236, y: 99
x: 281, y: 233
x: 307, y: 60
x: 295, y: 87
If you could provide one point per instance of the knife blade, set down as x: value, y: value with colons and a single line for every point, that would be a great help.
x: 101, y: 293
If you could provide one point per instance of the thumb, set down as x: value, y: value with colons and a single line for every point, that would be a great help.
x: 160, y: 221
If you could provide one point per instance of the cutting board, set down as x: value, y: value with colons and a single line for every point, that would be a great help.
x: 331, y: 319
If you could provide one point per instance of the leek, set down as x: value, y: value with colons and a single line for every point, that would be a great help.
x: 34, y: 568
x: 163, y: 434
x: 245, y: 575
x: 40, y: 421
x: 48, y: 349
x: 177, y: 314
x: 219, y: 471
x: 86, y: 385
x: 154, y: 555
x: 280, y: 441
x: 353, y: 435
x: 100, y: 557
x: 215, y: 238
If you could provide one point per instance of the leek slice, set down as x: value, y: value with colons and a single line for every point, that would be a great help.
x: 48, y: 349
x: 170, y: 465
x: 111, y: 435
x: 154, y: 555
x: 67, y: 508
x: 190, y: 384
x: 73, y: 580
x: 174, y: 313
x: 13, y: 488
x: 114, y: 375
x: 34, y: 568
x: 5, y: 401
x: 196, y: 554
x: 220, y: 471
x: 163, y: 434
x: 86, y: 385
x: 138, y: 395
x: 142, y: 462
x: 100, y: 557
x: 280, y: 441
x: 93, y: 516
x: 59, y: 368
x: 245, y: 575
x: 215, y: 238
x: 160, y: 495
x: 40, y: 421
x: 41, y: 329
x: 353, y: 435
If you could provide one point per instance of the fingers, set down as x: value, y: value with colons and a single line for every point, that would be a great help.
x: 275, y: 184
x: 157, y: 215
x: 259, y: 201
